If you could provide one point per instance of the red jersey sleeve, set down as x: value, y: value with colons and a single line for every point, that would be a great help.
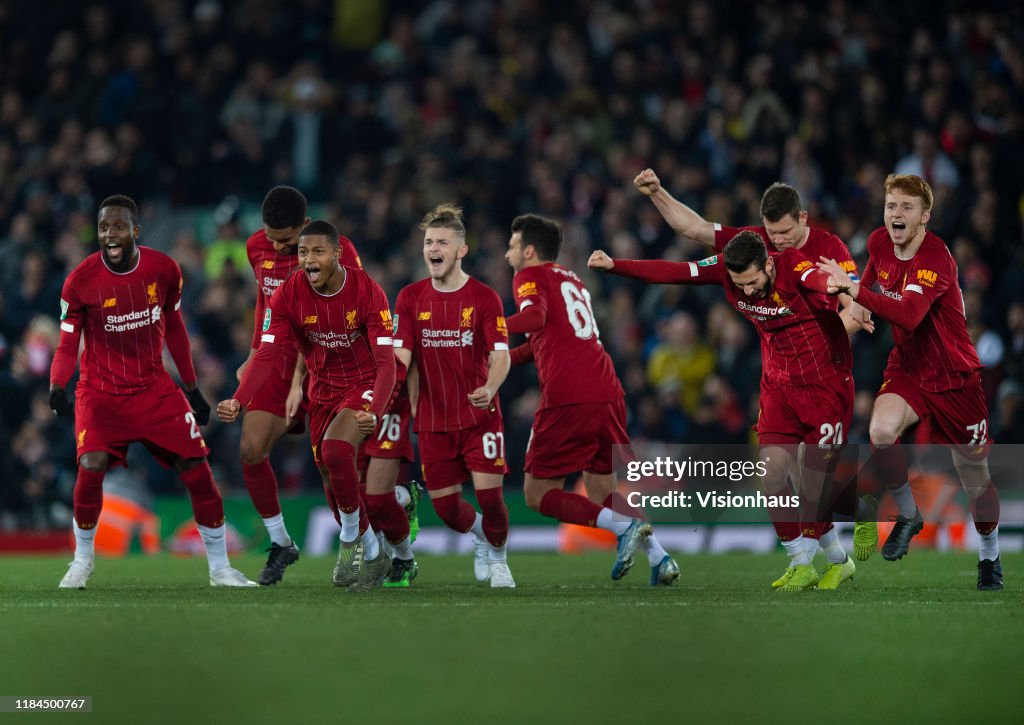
x: 277, y: 336
x: 380, y: 333
x: 175, y: 334
x: 531, y: 301
x: 657, y: 271
x: 71, y: 317
x: 790, y: 261
x: 929, y: 278
x: 724, y: 234
x: 495, y: 326
x: 403, y: 327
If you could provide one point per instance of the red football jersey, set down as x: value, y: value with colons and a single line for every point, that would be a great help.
x: 922, y: 299
x: 803, y: 341
x: 451, y: 336
x: 271, y: 269
x: 819, y: 243
x: 572, y: 364
x: 335, y: 333
x: 121, y: 316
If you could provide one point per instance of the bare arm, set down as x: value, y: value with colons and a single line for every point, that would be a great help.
x: 498, y: 364
x: 680, y: 217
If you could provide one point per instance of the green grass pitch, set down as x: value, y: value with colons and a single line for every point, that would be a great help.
x: 910, y: 641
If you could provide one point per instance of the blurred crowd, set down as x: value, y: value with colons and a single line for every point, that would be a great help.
x: 379, y: 110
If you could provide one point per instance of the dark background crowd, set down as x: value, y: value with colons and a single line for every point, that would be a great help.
x: 379, y: 110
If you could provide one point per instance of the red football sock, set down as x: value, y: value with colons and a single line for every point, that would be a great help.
x: 890, y: 465
x: 984, y: 510
x: 88, y: 497
x: 340, y: 458
x: 569, y: 508
x: 207, y: 504
x: 386, y: 515
x: 456, y: 513
x: 618, y: 503
x: 495, y: 515
x: 262, y: 485
x: 815, y: 529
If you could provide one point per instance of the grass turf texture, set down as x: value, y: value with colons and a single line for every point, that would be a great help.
x: 911, y: 641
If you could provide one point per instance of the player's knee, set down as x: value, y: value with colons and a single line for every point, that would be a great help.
x: 533, y: 496
x: 338, y: 454
x: 253, y: 451
x: 95, y: 462
x: 883, y: 431
x: 974, y: 477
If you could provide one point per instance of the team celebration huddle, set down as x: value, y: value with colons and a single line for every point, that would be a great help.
x: 330, y: 355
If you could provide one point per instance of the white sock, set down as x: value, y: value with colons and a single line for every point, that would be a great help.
x: 349, y: 526
x: 477, y: 529
x: 654, y: 550
x: 988, y: 546
x: 278, y: 533
x: 497, y: 553
x: 611, y: 521
x: 85, y: 544
x: 833, y: 548
x: 402, y: 496
x: 371, y: 547
x: 904, y: 497
x: 797, y: 550
x: 216, y: 543
x: 403, y: 549
x: 812, y: 547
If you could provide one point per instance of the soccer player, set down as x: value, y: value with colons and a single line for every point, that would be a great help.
x: 582, y: 412
x: 783, y: 226
x: 340, y: 321
x: 125, y: 300
x: 806, y: 386
x: 933, y: 373
x: 269, y: 416
x: 451, y: 327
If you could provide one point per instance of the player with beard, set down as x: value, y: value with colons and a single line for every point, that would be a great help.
x: 933, y: 374
x: 783, y: 226
x: 806, y: 387
x: 125, y: 300
x: 339, y: 319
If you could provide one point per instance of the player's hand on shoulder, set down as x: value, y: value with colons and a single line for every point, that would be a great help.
x: 481, y: 397
x: 228, y: 410
x: 600, y: 260
x: 59, y: 403
x: 839, y: 280
x: 647, y: 182
x: 199, y: 405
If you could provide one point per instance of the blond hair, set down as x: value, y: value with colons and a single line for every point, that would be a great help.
x: 910, y: 185
x: 445, y: 216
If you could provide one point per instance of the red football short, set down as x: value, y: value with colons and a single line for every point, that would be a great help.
x: 321, y: 415
x: 956, y: 417
x: 449, y: 457
x: 576, y: 438
x: 271, y: 399
x: 818, y: 414
x: 159, y: 417
x: 392, y: 439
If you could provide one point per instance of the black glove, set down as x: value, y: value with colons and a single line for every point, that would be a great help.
x: 199, y: 406
x: 59, y: 403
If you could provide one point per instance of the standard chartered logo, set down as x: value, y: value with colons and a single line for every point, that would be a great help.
x: 447, y: 338
x: 133, y: 320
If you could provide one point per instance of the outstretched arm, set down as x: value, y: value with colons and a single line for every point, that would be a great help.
x: 680, y: 217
